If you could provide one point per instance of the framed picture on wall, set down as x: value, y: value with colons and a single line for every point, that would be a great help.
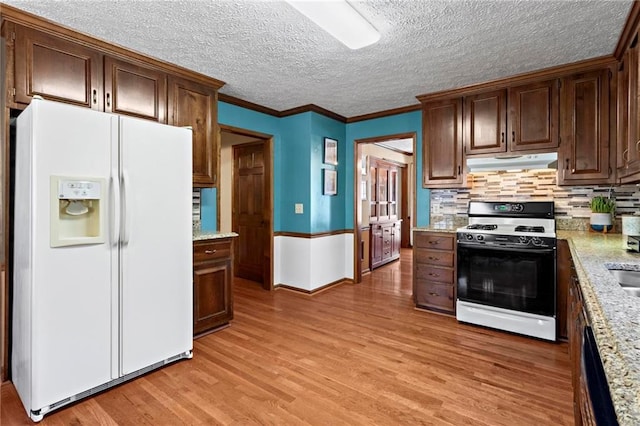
x: 330, y: 151
x: 330, y: 182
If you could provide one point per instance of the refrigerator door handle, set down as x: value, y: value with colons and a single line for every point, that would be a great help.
x: 115, y: 211
x: 126, y: 209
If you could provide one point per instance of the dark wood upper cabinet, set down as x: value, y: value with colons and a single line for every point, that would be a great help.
x: 56, y: 69
x: 533, y: 116
x: 193, y: 104
x: 584, y: 129
x: 521, y: 118
x: 442, y: 165
x: 485, y: 121
x: 135, y: 90
x: 628, y: 134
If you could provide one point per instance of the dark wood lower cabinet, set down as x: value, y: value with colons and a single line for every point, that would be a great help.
x: 385, y: 243
x: 212, y: 284
x: 434, y: 271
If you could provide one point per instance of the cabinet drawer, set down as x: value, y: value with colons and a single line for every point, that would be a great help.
x: 439, y: 296
x: 433, y: 241
x: 211, y: 250
x: 430, y: 273
x: 433, y: 257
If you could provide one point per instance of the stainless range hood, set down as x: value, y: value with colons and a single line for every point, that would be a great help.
x: 519, y: 162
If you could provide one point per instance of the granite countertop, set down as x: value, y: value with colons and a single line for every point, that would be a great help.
x: 199, y: 235
x: 436, y: 228
x: 614, y: 315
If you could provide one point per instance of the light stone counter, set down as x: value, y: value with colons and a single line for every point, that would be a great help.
x: 199, y: 235
x: 614, y: 315
x: 435, y: 228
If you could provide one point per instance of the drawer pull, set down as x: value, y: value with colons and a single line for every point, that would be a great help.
x: 210, y: 251
x: 433, y: 258
x: 434, y: 242
x: 433, y: 294
x: 431, y: 274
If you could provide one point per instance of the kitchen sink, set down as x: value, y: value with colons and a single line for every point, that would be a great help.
x: 628, y: 280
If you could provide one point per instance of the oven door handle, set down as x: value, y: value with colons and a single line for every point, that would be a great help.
x: 511, y: 249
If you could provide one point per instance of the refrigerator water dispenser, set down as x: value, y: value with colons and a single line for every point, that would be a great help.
x: 77, y: 211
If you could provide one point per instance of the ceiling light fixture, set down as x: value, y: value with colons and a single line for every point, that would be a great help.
x: 340, y: 19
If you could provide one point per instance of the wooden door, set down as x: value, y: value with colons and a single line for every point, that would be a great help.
x: 442, y: 144
x: 249, y: 203
x: 485, y: 120
x: 193, y: 104
x: 585, y: 129
x: 533, y: 116
x: 56, y: 69
x: 135, y: 90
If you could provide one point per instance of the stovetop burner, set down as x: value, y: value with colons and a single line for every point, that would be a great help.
x: 482, y: 227
x: 525, y: 228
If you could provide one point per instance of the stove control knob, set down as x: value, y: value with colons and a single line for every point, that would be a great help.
x: 536, y: 241
x: 523, y: 239
x: 469, y: 237
x: 480, y: 237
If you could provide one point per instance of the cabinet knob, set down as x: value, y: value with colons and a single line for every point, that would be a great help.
x: 210, y: 251
x: 502, y: 138
x: 109, y: 100
x: 513, y: 137
x: 94, y: 92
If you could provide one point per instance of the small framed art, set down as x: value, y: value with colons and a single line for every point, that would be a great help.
x: 330, y: 151
x: 329, y: 182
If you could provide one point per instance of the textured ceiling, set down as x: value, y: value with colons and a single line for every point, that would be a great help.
x: 269, y: 54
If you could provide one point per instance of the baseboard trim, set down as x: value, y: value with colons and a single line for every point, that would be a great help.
x: 314, y: 291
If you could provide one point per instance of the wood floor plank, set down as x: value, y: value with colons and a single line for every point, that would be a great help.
x: 354, y: 354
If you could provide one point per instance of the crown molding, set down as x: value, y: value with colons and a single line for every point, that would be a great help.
x: 501, y: 83
x: 313, y: 108
x: 22, y: 17
x: 628, y: 31
x: 246, y: 104
x: 385, y: 113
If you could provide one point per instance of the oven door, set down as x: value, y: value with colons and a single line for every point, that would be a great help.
x: 517, y: 279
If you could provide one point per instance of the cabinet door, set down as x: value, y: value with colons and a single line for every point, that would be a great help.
x: 193, y: 104
x: 376, y: 245
x: 442, y: 144
x: 212, y: 304
x: 585, y: 132
x: 623, y: 136
x: 485, y: 120
x: 135, y: 90
x: 56, y: 69
x: 533, y: 116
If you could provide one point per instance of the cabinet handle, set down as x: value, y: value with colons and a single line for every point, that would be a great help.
x: 625, y: 154
x: 513, y: 136
x: 95, y: 96
x: 210, y: 251
x: 431, y: 274
x: 432, y: 258
x: 459, y: 171
x: 109, y: 100
x: 434, y: 242
x: 637, y: 148
x: 502, y: 138
x: 433, y: 294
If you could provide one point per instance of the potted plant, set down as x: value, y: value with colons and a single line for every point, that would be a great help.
x: 602, y: 213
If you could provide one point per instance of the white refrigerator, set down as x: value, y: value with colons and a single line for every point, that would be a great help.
x: 102, y: 288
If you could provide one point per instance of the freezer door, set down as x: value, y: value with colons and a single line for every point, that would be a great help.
x: 156, y: 243
x: 62, y: 305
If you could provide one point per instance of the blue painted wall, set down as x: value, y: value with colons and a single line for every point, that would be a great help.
x: 208, y: 209
x: 401, y: 123
x: 298, y: 164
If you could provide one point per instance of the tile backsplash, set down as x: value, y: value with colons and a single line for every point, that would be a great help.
x: 571, y: 202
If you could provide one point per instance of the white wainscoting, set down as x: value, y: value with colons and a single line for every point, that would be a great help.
x: 312, y: 263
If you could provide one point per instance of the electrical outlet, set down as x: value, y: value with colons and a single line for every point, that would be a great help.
x: 299, y: 209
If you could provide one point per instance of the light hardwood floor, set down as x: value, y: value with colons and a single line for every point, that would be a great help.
x: 351, y: 355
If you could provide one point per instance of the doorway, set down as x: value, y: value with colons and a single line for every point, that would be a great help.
x: 246, y: 204
x: 398, y: 149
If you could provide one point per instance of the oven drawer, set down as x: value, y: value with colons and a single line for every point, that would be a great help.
x: 438, y: 296
x: 434, y: 257
x: 431, y: 241
x: 429, y: 273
